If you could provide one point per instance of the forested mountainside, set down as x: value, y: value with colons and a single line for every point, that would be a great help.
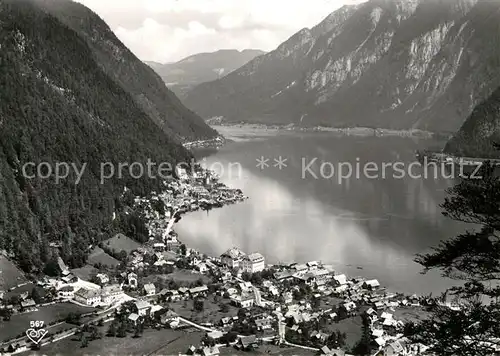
x: 398, y: 64
x: 183, y: 75
x: 480, y: 132
x: 134, y: 76
x: 58, y: 104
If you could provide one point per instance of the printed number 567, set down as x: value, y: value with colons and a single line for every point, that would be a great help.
x: 36, y: 324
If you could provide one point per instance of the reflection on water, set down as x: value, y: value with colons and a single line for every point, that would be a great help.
x: 377, y: 224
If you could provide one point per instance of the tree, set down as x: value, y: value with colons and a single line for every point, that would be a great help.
x: 315, y: 303
x: 337, y: 339
x: 224, y: 308
x: 137, y: 331
x: 95, y: 334
x: 112, y: 330
x: 363, y: 347
x: 473, y: 258
x: 256, y: 278
x: 85, y: 342
x: 73, y: 318
x: 36, y: 296
x: 51, y: 268
x: 246, y: 276
x: 198, y: 305
x: 122, y: 330
x: 183, y: 250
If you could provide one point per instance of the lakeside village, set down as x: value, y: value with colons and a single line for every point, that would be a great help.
x: 236, y: 300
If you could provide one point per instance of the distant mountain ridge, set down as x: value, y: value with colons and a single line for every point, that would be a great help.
x: 183, y: 75
x: 398, y: 64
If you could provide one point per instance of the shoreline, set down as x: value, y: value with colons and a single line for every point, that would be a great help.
x: 345, y: 131
x: 179, y: 213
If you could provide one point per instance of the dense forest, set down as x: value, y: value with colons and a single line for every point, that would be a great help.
x: 480, y: 131
x: 58, y: 104
x: 134, y: 76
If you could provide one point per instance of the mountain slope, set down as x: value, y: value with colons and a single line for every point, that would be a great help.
x: 58, y: 104
x: 134, y: 76
x: 385, y: 63
x: 203, y: 67
x: 479, y: 133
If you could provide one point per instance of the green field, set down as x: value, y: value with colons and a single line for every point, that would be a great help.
x: 10, y: 275
x: 20, y: 322
x: 183, y: 277
x: 353, y: 328
x: 267, y: 349
x: 99, y: 256
x: 84, y: 272
x: 152, y: 342
x: 211, y: 310
x: 120, y: 242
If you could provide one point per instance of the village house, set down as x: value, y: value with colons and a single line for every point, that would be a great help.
x: 215, y: 335
x: 169, y: 316
x: 87, y: 296
x: 332, y: 352
x: 245, y: 287
x: 340, y: 279
x: 69, y: 278
x: 247, y: 343
x: 399, y: 347
x: 111, y: 293
x: 201, y: 291
x: 159, y: 247
x: 102, y: 278
x: 287, y: 297
x: 242, y: 301
x: 66, y: 292
x: 202, y: 268
x: 28, y: 304
x: 253, y: 263
x: 371, y: 284
x: 210, y: 351
x: 150, y: 289
x: 312, y: 265
x: 142, y: 307
x: 232, y: 258
x: 132, y: 280
x: 264, y: 323
x: 306, y: 278
x: 133, y: 318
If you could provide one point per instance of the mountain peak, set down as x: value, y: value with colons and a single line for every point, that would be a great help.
x: 408, y: 62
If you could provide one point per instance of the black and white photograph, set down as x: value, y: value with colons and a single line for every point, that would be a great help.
x: 250, y: 177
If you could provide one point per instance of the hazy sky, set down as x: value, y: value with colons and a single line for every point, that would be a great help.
x: 168, y: 30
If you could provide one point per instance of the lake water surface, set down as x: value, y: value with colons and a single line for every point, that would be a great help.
x: 370, y: 225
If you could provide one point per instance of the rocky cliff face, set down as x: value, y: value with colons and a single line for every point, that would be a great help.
x: 385, y: 63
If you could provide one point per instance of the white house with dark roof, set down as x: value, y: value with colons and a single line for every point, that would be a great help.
x: 252, y: 263
x: 88, y: 296
x: 143, y: 307
x: 371, y: 284
x: 111, y: 293
x: 232, y: 257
